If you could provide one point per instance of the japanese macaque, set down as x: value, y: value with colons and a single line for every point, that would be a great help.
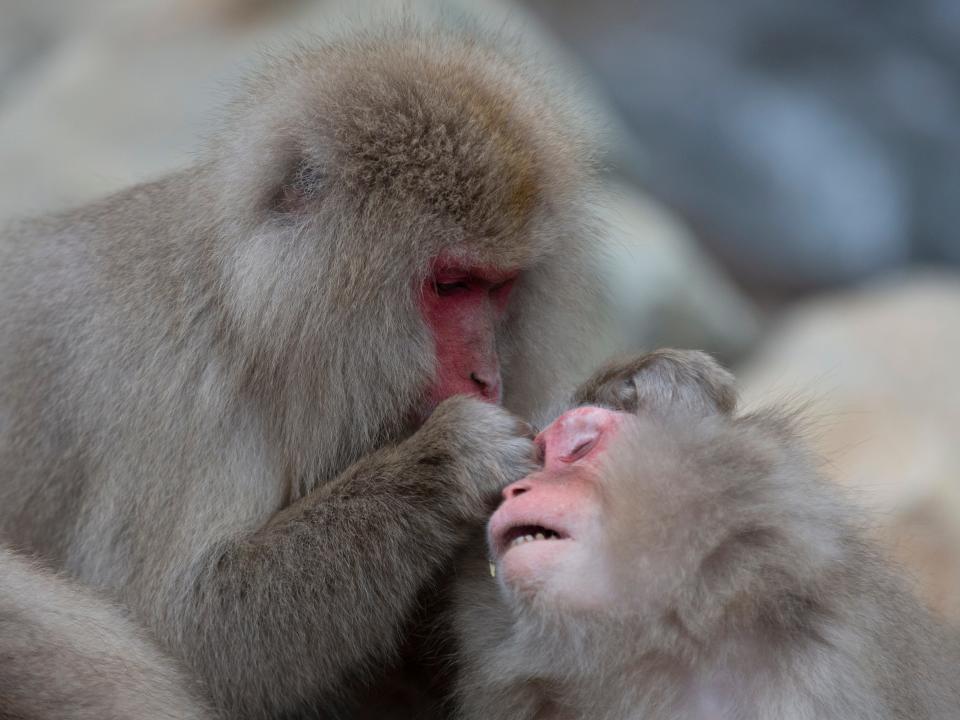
x: 213, y: 387
x: 673, y: 559
x: 67, y: 654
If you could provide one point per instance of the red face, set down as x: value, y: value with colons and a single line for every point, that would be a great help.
x: 545, y: 535
x: 463, y: 308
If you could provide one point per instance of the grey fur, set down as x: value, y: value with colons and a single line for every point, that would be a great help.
x: 207, y: 382
x: 67, y: 654
x: 744, y: 587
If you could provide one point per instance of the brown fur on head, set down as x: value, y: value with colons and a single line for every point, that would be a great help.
x: 350, y: 167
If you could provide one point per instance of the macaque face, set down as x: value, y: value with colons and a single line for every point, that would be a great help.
x: 547, y: 538
x: 463, y: 307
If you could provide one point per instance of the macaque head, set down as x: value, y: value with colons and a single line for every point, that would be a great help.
x: 594, y: 527
x: 548, y: 538
x: 413, y: 221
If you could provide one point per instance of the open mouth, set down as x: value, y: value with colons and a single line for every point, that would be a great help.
x: 521, y: 534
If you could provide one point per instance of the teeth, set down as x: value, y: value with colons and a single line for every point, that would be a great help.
x: 548, y: 535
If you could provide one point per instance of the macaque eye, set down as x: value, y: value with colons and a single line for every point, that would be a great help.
x: 498, y: 287
x: 445, y: 289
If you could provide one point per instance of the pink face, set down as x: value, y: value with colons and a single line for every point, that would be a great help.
x: 463, y: 308
x: 546, y: 533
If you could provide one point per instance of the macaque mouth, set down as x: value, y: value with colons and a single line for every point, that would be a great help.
x: 520, y: 534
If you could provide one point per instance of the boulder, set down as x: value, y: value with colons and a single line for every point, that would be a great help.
x: 877, y: 372
x: 667, y: 291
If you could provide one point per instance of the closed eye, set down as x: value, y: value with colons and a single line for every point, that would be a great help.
x: 445, y: 289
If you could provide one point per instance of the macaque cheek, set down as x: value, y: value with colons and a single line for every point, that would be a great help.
x: 589, y: 589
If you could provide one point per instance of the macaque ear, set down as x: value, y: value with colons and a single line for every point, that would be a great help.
x: 300, y: 186
x: 662, y: 380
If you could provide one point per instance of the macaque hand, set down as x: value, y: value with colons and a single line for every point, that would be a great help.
x: 487, y: 447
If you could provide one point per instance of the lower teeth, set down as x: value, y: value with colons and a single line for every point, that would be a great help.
x: 549, y: 535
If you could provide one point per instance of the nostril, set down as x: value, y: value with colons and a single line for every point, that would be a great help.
x: 515, y: 490
x: 478, y: 381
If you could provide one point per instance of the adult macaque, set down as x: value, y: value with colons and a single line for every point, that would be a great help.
x: 672, y: 560
x: 67, y: 654
x: 212, y: 386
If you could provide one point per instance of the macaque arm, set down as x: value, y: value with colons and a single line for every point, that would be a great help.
x: 320, y: 593
x: 326, y: 586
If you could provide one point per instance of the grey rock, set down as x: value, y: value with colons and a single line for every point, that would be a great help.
x: 808, y: 143
x: 667, y: 292
x: 875, y: 371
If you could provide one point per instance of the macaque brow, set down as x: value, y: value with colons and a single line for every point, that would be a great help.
x: 451, y: 272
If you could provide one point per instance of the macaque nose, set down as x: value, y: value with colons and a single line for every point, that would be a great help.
x: 487, y: 384
x: 515, y: 489
x: 573, y: 435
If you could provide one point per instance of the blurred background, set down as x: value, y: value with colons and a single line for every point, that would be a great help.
x: 782, y: 189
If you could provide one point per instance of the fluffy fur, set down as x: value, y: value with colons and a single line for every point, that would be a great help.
x: 742, y: 586
x: 65, y: 653
x: 207, y: 381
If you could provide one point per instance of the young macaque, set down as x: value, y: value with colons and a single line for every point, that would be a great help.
x: 674, y: 560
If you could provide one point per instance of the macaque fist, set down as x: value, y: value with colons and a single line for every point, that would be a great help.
x: 213, y: 386
x: 674, y: 560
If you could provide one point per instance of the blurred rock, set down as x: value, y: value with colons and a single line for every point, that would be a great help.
x: 668, y: 293
x: 123, y: 97
x: 879, y: 367
x: 788, y: 191
x: 30, y: 30
x: 808, y: 143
